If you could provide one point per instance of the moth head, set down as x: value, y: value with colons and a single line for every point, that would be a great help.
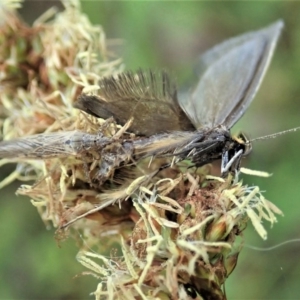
x: 244, y: 143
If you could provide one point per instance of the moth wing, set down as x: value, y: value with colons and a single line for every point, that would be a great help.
x: 230, y: 77
x: 150, y: 98
x: 42, y: 146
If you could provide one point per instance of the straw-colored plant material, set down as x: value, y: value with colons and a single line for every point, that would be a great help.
x: 182, y: 247
x: 43, y: 70
x: 177, y: 228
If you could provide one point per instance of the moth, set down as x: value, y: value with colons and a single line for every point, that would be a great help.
x: 195, y: 126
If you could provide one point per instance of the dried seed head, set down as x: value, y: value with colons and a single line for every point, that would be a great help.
x: 43, y: 70
x: 170, y: 255
x: 178, y: 226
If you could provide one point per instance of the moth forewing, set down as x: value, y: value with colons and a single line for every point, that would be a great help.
x: 230, y: 77
x: 51, y: 145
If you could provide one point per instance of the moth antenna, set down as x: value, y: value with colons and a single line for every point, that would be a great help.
x: 274, y: 135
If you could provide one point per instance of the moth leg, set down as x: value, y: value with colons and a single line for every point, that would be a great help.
x: 227, y: 164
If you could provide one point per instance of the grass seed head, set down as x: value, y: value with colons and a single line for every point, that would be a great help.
x: 177, y: 229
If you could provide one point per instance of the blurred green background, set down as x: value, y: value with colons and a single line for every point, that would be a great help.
x: 171, y: 35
